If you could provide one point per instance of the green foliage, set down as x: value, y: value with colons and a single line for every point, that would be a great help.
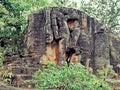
x: 106, y: 11
x: 6, y: 76
x: 75, y: 77
x: 12, y: 23
x: 106, y: 73
x: 13, y: 19
x: 65, y: 3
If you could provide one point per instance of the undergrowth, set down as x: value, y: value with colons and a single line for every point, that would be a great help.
x: 74, y: 77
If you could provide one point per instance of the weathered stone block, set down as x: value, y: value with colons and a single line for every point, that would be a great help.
x: 65, y: 28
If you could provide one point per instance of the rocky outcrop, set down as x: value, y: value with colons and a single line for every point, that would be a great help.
x: 51, y: 32
x: 102, y: 57
x: 115, y: 53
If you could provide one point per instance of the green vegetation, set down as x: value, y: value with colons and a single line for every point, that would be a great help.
x: 75, y: 77
x: 106, y: 11
x: 6, y: 76
x: 106, y: 73
x: 13, y: 20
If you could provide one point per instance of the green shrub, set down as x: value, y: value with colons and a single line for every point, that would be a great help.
x: 3, y: 50
x: 106, y: 72
x: 75, y: 77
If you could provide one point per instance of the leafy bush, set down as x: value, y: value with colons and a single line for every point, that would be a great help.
x: 75, y: 77
x: 106, y: 73
x: 3, y: 51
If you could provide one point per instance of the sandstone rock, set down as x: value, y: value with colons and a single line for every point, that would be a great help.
x: 115, y: 53
x: 51, y: 31
x: 102, y: 57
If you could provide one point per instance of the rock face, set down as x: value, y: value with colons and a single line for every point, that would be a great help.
x: 102, y: 57
x: 115, y: 53
x: 52, y: 32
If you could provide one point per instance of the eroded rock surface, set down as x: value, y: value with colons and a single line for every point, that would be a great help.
x: 52, y: 31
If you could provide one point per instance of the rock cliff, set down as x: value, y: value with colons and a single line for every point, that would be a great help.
x: 52, y: 32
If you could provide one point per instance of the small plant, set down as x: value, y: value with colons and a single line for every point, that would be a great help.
x: 6, y: 76
x: 74, y: 77
x: 106, y: 73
